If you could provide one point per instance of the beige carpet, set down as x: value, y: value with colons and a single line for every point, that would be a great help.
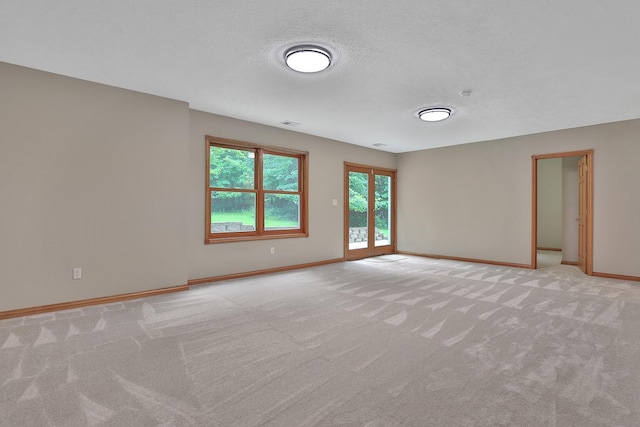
x: 413, y: 342
x: 546, y: 259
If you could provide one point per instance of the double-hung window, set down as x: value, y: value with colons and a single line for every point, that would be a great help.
x: 254, y: 191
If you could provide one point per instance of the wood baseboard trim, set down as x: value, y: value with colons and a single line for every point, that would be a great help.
x: 30, y: 311
x: 204, y: 280
x: 479, y: 261
x: 569, y: 263
x: 550, y: 249
x: 616, y: 276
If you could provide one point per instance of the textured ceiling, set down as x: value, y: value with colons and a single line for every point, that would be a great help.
x: 532, y: 66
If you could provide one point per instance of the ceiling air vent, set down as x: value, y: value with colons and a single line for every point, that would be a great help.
x: 379, y: 144
x: 289, y: 123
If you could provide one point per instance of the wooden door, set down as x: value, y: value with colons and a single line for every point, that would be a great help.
x: 583, y: 213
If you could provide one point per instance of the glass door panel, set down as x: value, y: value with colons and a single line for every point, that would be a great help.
x: 382, y: 210
x: 358, y: 210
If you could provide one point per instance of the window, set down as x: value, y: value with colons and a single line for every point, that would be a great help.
x: 254, y: 192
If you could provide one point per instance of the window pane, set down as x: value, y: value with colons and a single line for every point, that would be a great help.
x: 232, y: 211
x: 382, y: 210
x: 231, y: 168
x: 280, y: 173
x: 281, y: 211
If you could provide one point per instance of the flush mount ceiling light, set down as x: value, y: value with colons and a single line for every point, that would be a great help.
x: 307, y: 59
x: 434, y: 114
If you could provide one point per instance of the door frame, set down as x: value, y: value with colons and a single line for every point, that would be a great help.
x: 372, y: 251
x: 588, y: 154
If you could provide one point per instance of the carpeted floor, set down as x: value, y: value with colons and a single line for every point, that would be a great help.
x: 400, y: 341
x: 546, y: 259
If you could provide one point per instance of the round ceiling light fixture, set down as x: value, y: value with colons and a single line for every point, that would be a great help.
x: 434, y: 114
x: 307, y: 59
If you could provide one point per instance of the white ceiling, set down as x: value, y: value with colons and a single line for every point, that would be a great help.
x: 532, y: 66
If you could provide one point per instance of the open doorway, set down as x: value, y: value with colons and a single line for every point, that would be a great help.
x: 550, y: 228
x: 562, y: 226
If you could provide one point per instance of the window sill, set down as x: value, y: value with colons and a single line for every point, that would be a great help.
x: 214, y: 240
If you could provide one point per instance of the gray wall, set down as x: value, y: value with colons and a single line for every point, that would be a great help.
x: 91, y: 176
x: 326, y: 176
x: 474, y: 200
x: 112, y: 181
x: 550, y: 203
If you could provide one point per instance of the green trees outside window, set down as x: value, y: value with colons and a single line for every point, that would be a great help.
x: 358, y: 200
x: 254, y: 191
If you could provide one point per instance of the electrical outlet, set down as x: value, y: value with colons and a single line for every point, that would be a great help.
x: 273, y: 250
x: 77, y: 273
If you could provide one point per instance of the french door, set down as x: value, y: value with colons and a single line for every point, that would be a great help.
x: 370, y: 211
